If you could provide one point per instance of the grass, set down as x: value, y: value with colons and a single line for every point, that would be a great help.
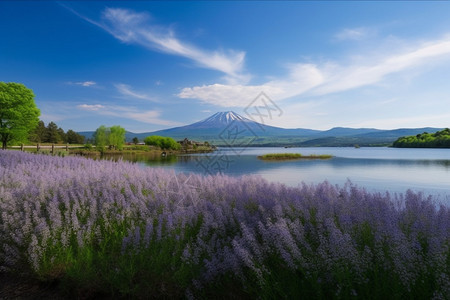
x: 90, y: 150
x: 288, y: 156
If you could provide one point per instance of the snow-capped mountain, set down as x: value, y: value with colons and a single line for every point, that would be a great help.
x: 213, y: 126
x: 220, y: 126
x: 221, y: 119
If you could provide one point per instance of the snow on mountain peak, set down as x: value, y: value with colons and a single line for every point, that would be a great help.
x: 225, y: 117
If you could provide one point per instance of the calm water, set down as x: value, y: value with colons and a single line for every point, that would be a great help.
x: 376, y: 169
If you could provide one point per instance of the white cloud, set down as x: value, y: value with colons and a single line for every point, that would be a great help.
x: 353, y: 33
x: 83, y: 83
x: 90, y: 107
x: 146, y: 116
x: 126, y: 90
x: 47, y: 118
x: 134, y: 28
x: 301, y: 78
x: 151, y: 117
x: 87, y: 83
x: 346, y: 78
x: 314, y: 79
x: 224, y: 95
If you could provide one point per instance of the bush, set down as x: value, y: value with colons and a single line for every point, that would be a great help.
x: 165, y: 143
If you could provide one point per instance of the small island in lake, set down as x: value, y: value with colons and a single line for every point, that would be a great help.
x: 289, y: 156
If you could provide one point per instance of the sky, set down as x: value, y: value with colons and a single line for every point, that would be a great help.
x: 297, y: 64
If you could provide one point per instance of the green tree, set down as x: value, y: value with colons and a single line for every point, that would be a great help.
x: 113, y: 136
x: 135, y: 140
x: 170, y: 143
x: 439, y: 139
x: 19, y: 115
x: 162, y: 142
x: 116, y: 137
x: 38, y: 134
x: 153, y: 140
x: 53, y: 135
x: 74, y: 138
x: 62, y: 135
x: 101, y: 138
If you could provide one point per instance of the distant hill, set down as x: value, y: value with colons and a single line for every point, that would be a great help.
x: 229, y: 128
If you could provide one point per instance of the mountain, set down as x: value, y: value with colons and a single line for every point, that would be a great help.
x: 219, y: 120
x: 343, y: 131
x: 213, y: 127
x: 223, y: 127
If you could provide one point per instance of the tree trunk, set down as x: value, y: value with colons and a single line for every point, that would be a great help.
x: 4, y: 144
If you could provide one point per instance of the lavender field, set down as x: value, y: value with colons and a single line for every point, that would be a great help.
x: 116, y: 229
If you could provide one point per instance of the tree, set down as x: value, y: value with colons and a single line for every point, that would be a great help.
x: 74, y: 138
x: 170, y: 143
x: 53, y: 135
x: 19, y: 115
x: 162, y: 142
x: 135, y: 140
x: 62, y: 135
x: 116, y: 137
x: 100, y: 138
x: 153, y: 140
x: 38, y: 134
x: 439, y: 139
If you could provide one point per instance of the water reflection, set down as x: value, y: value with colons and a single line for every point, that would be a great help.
x: 377, y: 169
x: 150, y: 160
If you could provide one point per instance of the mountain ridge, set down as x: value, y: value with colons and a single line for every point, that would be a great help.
x: 215, y: 127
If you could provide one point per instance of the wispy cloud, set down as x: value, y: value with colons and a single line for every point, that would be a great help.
x: 151, y: 117
x: 325, y: 78
x: 90, y: 107
x: 47, y: 118
x: 300, y: 79
x: 134, y: 28
x: 126, y: 90
x: 133, y: 113
x: 353, y: 33
x: 146, y: 116
x: 83, y: 83
x: 346, y: 78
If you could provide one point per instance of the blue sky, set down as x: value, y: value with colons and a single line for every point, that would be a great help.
x: 155, y: 65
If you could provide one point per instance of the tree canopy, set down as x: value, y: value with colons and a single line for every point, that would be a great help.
x: 439, y: 139
x: 54, y: 134
x: 162, y: 142
x: 113, y: 136
x: 18, y: 113
x: 116, y: 137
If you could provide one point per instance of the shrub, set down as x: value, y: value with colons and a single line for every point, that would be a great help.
x: 162, y: 142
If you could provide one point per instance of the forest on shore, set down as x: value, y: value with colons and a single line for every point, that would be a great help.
x: 439, y: 139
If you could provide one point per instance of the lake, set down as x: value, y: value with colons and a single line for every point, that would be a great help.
x: 375, y: 168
